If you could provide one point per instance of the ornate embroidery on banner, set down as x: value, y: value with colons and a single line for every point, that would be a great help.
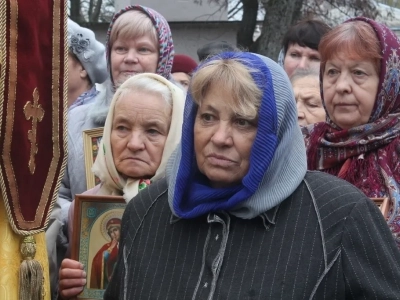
x: 32, y: 110
x: 35, y: 112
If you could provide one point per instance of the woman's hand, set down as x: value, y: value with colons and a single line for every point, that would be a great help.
x: 72, y: 279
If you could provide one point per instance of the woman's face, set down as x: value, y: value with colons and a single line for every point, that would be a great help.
x: 182, y: 78
x: 139, y: 130
x: 308, y: 99
x: 222, y: 140
x: 77, y: 76
x: 115, y: 233
x: 350, y: 88
x: 133, y: 56
x: 298, y: 57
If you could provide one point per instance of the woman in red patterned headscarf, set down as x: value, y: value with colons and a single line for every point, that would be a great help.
x: 360, y: 140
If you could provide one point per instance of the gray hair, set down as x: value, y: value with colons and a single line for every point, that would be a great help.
x: 302, y: 73
x: 147, y: 85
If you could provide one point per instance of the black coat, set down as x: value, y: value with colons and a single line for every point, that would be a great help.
x: 326, y: 241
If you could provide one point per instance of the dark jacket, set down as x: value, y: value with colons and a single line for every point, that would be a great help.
x: 326, y: 241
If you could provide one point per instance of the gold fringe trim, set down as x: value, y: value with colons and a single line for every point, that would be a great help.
x: 31, y: 277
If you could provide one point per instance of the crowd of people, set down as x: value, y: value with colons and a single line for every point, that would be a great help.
x: 244, y: 177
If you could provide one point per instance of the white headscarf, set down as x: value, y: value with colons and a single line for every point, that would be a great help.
x: 112, y: 183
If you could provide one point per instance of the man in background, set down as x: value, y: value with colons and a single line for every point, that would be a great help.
x: 182, y: 69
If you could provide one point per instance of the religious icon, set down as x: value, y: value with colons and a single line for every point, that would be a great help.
x: 91, y: 145
x: 97, y: 230
x: 383, y: 205
x: 106, y: 257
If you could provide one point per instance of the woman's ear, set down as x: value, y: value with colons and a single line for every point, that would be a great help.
x: 83, y: 73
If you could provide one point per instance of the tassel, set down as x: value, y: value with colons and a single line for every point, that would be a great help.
x: 31, y: 278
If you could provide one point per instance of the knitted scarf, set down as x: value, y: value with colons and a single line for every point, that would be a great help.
x: 277, y: 154
x: 368, y: 155
x: 85, y: 98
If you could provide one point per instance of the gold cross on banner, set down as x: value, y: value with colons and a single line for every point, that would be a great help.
x: 36, y: 112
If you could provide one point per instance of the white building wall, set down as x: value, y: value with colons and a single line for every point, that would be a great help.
x: 189, y: 36
x: 192, y: 25
x: 180, y: 10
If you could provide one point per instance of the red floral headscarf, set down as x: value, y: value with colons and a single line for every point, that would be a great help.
x: 368, y: 155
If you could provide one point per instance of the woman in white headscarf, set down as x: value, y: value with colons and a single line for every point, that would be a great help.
x: 142, y: 128
x: 117, y: 178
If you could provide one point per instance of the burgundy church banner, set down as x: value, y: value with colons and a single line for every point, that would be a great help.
x: 32, y: 109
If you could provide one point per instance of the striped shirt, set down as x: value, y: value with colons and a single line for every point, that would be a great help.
x: 326, y: 241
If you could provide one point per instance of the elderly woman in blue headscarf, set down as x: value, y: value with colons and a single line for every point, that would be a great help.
x: 239, y: 216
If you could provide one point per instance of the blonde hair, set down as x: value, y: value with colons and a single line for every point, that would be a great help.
x: 133, y: 24
x: 233, y: 76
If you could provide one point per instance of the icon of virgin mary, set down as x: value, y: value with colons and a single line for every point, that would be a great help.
x: 106, y: 258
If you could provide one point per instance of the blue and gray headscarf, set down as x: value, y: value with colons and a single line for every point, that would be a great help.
x: 277, y: 159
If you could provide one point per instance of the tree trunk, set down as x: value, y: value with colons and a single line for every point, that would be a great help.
x: 94, y: 10
x: 97, y: 10
x: 75, y: 12
x: 90, y: 10
x: 280, y: 15
x: 244, y: 36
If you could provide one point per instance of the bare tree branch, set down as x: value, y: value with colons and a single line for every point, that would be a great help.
x: 281, y: 14
x: 222, y: 7
x: 92, y: 11
x: 235, y: 7
x: 234, y: 13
